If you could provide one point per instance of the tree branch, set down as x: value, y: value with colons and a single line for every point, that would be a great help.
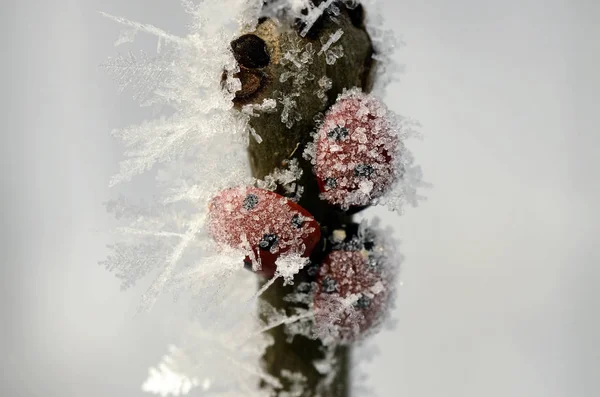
x: 269, y: 72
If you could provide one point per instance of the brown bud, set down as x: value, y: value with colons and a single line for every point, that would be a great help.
x: 250, y: 51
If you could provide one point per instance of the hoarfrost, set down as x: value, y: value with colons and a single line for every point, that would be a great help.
x: 185, y: 77
x: 313, y: 15
x: 298, y: 382
x: 198, y: 139
x: 295, y: 60
x: 288, y: 266
x: 289, y: 113
x: 126, y: 36
x: 197, y: 147
x: 325, y: 84
x: 385, y: 43
x: 332, y: 53
x: 218, y: 350
x: 286, y: 178
x: 165, y: 381
x: 303, y: 11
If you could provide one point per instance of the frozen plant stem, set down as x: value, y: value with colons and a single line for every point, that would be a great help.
x: 260, y: 76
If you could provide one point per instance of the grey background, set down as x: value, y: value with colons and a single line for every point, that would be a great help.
x: 501, y: 274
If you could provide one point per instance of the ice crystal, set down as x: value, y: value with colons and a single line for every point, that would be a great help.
x: 295, y: 61
x: 142, y: 72
x: 185, y: 77
x: 325, y: 84
x: 332, y: 53
x: 385, y: 43
x: 285, y: 178
x: 289, y: 114
x: 303, y: 12
x: 165, y: 381
x: 198, y: 141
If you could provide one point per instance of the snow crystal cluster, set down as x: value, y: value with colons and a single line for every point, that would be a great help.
x: 210, y: 218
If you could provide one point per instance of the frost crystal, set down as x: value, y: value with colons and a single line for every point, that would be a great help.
x: 219, y: 349
x: 325, y: 85
x: 199, y: 141
x: 303, y: 12
x: 289, y: 114
x: 295, y: 60
x: 332, y: 53
x: 185, y: 77
x: 286, y: 178
x: 164, y: 381
x: 142, y: 73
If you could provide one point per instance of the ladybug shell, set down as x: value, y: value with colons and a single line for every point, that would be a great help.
x: 264, y: 222
x: 355, y: 148
x: 344, y: 273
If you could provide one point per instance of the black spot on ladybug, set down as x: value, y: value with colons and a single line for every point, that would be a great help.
x: 363, y: 170
x: 250, y: 201
x: 247, y: 264
x: 297, y: 221
x: 339, y: 133
x: 250, y: 51
x: 330, y: 183
x: 304, y: 288
x: 329, y: 285
x: 312, y: 271
x: 268, y: 241
x: 363, y: 302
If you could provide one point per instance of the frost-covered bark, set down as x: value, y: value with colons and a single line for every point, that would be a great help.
x: 299, y: 69
x: 251, y: 120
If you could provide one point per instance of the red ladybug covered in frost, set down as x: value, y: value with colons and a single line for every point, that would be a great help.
x: 352, y: 294
x: 356, y: 148
x: 264, y: 223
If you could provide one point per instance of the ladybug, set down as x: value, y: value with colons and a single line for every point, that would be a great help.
x: 356, y: 146
x: 352, y: 289
x: 263, y: 223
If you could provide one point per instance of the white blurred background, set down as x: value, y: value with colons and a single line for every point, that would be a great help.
x: 500, y: 294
